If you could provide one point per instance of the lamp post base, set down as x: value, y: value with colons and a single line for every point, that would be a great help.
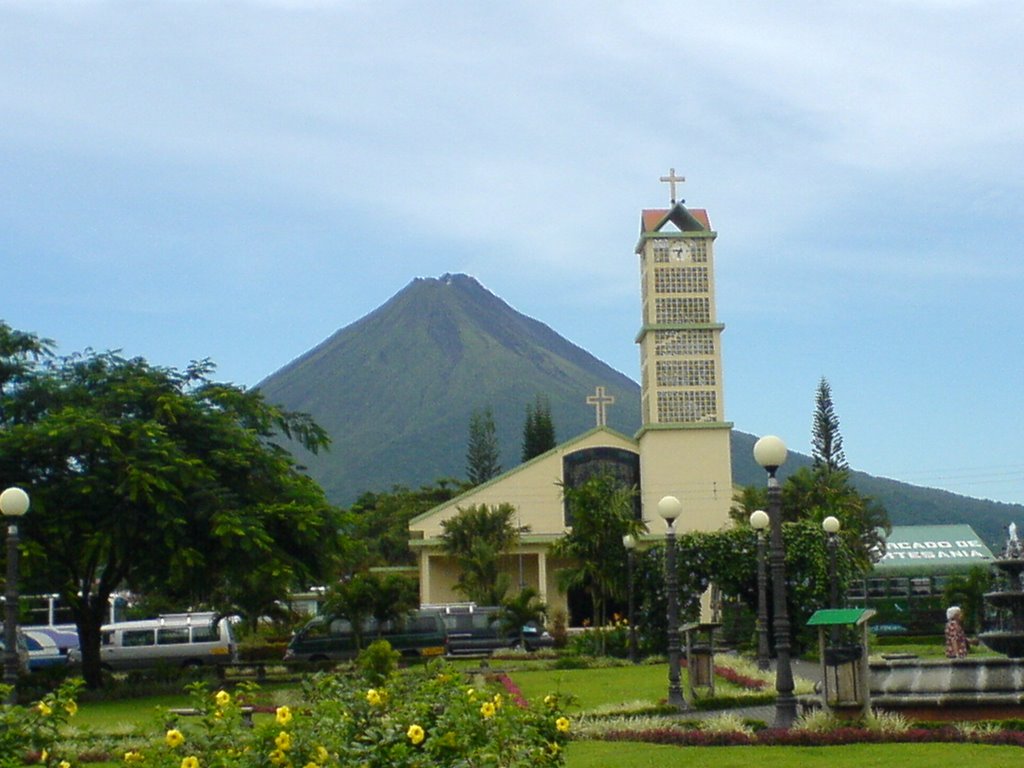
x: 785, y: 711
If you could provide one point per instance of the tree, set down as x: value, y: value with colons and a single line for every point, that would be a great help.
x: 368, y: 595
x: 601, y: 509
x: 477, y: 537
x: 968, y: 592
x: 482, y: 453
x: 522, y: 609
x: 382, y: 520
x: 158, y: 479
x: 826, y: 443
x: 539, y: 429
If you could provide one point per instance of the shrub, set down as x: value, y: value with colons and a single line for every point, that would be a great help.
x: 426, y: 717
x: 377, y: 662
x: 27, y: 734
x: 560, y: 628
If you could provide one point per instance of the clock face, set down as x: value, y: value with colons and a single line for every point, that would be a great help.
x: 680, y: 250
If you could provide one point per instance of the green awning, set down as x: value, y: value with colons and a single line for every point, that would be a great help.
x: 840, y: 617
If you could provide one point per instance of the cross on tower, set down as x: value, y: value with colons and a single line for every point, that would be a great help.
x: 672, y: 179
x: 600, y: 401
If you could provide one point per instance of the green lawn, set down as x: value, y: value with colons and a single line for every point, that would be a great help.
x: 597, y: 687
x: 597, y: 754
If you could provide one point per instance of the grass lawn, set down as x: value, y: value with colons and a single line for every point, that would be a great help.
x: 115, y: 715
x: 596, y: 687
x: 591, y: 754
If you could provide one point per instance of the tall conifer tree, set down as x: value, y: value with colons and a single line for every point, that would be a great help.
x: 482, y: 452
x: 539, y: 429
x: 827, y: 443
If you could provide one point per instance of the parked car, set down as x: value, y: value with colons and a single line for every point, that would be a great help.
x: 43, y: 650
x: 330, y: 638
x: 22, y: 649
x: 184, y: 639
x: 476, y: 629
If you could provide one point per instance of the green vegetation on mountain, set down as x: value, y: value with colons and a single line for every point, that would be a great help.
x: 397, y: 389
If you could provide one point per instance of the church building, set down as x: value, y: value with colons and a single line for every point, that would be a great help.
x: 681, y: 449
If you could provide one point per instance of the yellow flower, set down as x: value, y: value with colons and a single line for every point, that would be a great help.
x: 190, y: 762
x: 283, y: 741
x: 322, y: 754
x: 44, y: 709
x: 284, y: 715
x: 277, y: 757
x: 471, y: 694
x: 44, y: 756
x: 487, y: 709
x: 223, y: 698
x: 71, y: 708
x: 562, y: 724
x: 174, y: 738
x: 415, y: 734
x: 133, y: 757
x: 550, y: 701
x: 63, y: 764
x: 497, y: 699
x: 373, y: 696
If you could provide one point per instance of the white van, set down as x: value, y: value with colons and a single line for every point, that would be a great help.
x: 180, y: 639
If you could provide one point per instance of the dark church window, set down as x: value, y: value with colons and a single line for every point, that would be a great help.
x: 580, y: 466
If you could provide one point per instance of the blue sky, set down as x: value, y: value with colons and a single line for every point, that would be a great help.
x: 237, y: 181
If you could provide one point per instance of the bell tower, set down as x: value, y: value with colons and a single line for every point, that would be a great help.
x: 684, y: 439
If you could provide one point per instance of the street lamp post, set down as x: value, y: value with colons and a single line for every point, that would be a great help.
x: 13, y: 504
x: 669, y: 508
x: 629, y: 542
x: 831, y: 527
x: 770, y: 452
x: 759, y: 521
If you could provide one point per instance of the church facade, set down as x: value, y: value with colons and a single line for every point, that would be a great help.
x: 681, y: 449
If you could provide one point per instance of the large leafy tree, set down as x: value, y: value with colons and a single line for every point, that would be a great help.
x: 382, y: 519
x: 601, y: 510
x: 538, y: 429
x: 482, y: 453
x: 158, y: 479
x: 477, y: 537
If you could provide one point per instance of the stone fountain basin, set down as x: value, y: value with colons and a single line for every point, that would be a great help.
x: 949, y: 689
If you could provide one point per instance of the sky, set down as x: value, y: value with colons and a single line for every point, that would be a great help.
x: 239, y: 180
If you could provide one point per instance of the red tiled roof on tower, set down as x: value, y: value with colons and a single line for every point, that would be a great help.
x: 653, y: 217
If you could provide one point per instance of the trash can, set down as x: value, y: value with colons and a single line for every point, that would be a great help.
x: 701, y: 665
x: 842, y: 673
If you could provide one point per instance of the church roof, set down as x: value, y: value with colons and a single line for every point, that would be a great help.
x: 685, y: 219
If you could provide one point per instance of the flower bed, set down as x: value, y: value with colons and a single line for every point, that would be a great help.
x: 428, y: 717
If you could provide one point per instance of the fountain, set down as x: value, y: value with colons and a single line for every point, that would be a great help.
x: 1004, y: 607
x: 971, y: 688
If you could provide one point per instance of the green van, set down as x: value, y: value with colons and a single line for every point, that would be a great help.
x: 330, y: 638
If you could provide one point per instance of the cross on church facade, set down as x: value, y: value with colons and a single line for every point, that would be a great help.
x: 600, y: 400
x: 671, y: 179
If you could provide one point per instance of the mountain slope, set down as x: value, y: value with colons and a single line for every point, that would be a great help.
x: 396, y: 389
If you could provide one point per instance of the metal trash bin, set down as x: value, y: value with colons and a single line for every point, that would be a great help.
x: 841, y: 673
x: 701, y: 665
